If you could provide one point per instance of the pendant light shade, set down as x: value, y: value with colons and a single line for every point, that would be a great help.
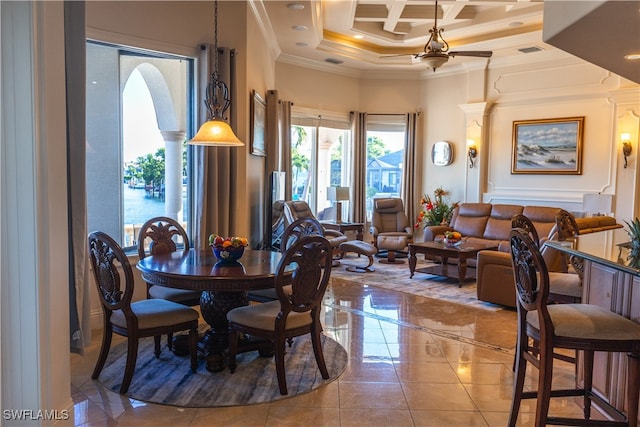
x: 216, y: 131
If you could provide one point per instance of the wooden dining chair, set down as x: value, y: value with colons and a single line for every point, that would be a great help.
x: 584, y: 327
x: 564, y: 287
x: 161, y: 235
x: 306, y: 265
x: 298, y: 229
x: 146, y: 318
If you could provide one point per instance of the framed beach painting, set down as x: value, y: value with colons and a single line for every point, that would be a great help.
x: 258, y: 119
x: 549, y: 146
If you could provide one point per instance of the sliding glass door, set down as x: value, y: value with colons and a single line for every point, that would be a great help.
x: 320, y: 158
x: 386, y: 140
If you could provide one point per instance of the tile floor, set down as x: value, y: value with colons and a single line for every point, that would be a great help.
x: 413, y: 361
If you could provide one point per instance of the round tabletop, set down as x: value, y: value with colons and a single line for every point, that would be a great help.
x: 200, y: 270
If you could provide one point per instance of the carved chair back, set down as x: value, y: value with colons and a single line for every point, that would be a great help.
x: 523, y: 222
x: 164, y: 234
x: 531, y: 278
x: 306, y: 266
x: 108, y: 260
x: 301, y: 227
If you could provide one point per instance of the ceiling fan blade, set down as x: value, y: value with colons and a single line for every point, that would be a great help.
x: 401, y: 54
x: 478, y: 53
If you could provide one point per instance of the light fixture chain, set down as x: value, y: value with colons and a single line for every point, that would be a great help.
x: 217, y: 95
x: 215, y: 36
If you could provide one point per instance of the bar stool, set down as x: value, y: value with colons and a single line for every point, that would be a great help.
x: 583, y: 327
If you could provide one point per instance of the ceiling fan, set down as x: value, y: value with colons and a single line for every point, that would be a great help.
x: 436, y: 50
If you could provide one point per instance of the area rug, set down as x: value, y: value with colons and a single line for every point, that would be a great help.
x: 169, y: 380
x: 395, y: 277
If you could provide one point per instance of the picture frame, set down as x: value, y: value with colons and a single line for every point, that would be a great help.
x: 548, y: 146
x: 258, y: 124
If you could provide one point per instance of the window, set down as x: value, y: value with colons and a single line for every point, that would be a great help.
x: 137, y: 104
x: 386, y: 136
x: 320, y: 150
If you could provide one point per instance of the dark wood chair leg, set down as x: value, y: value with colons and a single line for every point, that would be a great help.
x: 316, y: 341
x: 520, y: 367
x: 233, y: 350
x: 279, y: 351
x: 588, y: 383
x: 170, y: 340
x: 544, y: 385
x: 104, y: 350
x: 193, y: 346
x: 156, y: 346
x: 132, y: 355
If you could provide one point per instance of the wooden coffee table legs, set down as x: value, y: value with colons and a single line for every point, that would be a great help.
x: 442, y: 269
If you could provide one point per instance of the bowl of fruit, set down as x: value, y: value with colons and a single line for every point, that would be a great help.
x: 452, y: 238
x: 227, y: 249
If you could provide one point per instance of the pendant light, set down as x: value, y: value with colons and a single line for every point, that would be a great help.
x: 216, y: 131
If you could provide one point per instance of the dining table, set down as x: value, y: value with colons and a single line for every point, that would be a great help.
x: 224, y: 286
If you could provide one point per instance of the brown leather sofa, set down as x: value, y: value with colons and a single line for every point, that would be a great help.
x: 491, y: 223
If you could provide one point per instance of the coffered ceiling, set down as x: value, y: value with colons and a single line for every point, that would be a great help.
x: 361, y: 36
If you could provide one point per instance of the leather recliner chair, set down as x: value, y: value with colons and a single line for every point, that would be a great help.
x: 294, y: 210
x: 390, y: 227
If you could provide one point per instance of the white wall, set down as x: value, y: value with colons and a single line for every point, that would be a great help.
x: 550, y: 85
x: 35, y: 280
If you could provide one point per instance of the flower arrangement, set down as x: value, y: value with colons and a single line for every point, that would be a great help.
x: 435, y: 211
x: 228, y: 249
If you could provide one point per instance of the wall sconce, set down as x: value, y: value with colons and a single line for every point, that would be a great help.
x: 472, y: 151
x: 626, y: 146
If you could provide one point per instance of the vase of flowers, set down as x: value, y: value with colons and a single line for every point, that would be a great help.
x: 227, y: 249
x: 435, y: 211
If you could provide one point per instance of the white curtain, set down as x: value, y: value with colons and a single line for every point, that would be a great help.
x: 75, y: 66
x: 213, y: 210
x: 358, y: 172
x: 408, y: 192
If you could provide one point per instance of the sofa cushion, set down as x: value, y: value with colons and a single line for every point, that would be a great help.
x: 470, y: 219
x: 499, y: 223
x: 543, y: 218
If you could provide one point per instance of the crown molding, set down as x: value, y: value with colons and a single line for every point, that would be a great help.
x: 262, y: 18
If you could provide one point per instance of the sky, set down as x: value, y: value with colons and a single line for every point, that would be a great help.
x: 140, y: 128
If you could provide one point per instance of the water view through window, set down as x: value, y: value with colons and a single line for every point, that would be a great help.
x: 138, y: 114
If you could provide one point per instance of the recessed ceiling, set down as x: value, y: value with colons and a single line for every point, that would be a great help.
x: 508, y: 28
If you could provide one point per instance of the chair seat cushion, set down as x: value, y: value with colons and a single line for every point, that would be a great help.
x: 263, y: 316
x: 153, y: 313
x: 588, y: 322
x: 271, y: 292
x: 565, y: 284
x: 173, y: 294
x: 393, y: 241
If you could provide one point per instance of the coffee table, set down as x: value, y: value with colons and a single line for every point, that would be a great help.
x: 460, y: 251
